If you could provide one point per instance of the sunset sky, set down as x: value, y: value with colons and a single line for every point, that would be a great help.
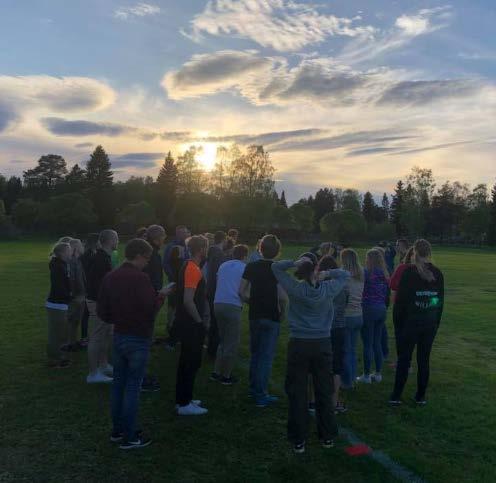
x: 348, y: 93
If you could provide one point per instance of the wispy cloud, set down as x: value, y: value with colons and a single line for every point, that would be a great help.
x: 139, y: 10
x: 284, y: 25
x: 136, y: 160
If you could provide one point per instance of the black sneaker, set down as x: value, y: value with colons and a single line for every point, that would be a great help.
x: 215, y: 377
x: 140, y: 442
x: 327, y: 443
x: 150, y: 386
x: 394, y: 402
x: 228, y: 381
x: 420, y: 402
x: 116, y: 437
x: 299, y: 448
x: 311, y: 407
x: 340, y: 408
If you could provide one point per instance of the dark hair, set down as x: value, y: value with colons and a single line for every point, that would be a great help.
x: 141, y: 232
x: 137, y: 247
x: 403, y: 240
x: 154, y: 232
x: 240, y: 252
x: 229, y: 244
x: 91, y: 243
x: 219, y: 237
x: 327, y: 263
x: 270, y: 246
x: 233, y: 233
x: 305, y: 271
x: 312, y: 257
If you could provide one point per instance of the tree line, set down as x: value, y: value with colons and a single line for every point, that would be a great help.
x: 238, y: 191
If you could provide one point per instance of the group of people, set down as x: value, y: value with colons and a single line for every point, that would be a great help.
x: 325, y: 294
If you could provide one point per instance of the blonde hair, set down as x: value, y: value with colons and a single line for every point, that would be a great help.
x: 422, y: 253
x: 351, y: 263
x: 65, y: 239
x: 59, y: 248
x: 408, y: 256
x: 77, y: 247
x: 375, y: 260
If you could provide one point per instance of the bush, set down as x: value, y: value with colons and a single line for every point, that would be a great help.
x: 345, y: 226
x: 381, y: 231
x: 25, y: 214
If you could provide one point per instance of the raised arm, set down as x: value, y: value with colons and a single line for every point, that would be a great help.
x: 335, y: 280
x: 285, y: 280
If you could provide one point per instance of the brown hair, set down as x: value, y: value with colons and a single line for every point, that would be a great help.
x: 240, y: 252
x: 197, y: 243
x: 375, y: 260
x: 422, y: 253
x: 408, y: 256
x: 327, y: 262
x: 137, y: 247
x: 270, y: 246
x: 351, y: 263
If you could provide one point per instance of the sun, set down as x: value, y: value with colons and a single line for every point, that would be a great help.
x: 207, y: 155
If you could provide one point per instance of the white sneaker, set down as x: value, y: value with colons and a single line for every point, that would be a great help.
x: 364, y: 378
x: 191, y: 410
x: 108, y: 370
x: 377, y: 377
x: 98, y: 378
x: 196, y: 402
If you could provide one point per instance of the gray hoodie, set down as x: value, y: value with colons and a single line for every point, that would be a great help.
x: 311, y: 308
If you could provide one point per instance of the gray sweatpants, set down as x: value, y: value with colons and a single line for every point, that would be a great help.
x: 229, y: 325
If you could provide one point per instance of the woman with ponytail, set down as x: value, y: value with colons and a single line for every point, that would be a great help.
x: 417, y: 314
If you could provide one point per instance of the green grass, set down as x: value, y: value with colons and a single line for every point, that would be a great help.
x: 55, y: 427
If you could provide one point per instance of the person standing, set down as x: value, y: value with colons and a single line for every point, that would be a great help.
x: 128, y: 301
x: 267, y: 302
x: 309, y: 349
x: 233, y: 233
x: 78, y: 289
x: 375, y: 295
x: 57, y: 305
x: 175, y: 254
x: 417, y: 315
x: 353, y: 314
x: 90, y: 247
x: 100, y: 333
x: 389, y: 255
x: 215, y: 258
x: 191, y: 322
x: 401, y: 248
x: 228, y: 307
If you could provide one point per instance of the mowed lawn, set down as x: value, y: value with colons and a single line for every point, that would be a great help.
x: 54, y: 427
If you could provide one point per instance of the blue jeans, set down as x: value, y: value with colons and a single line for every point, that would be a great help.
x: 385, y: 342
x: 374, y: 317
x: 353, y: 326
x: 130, y: 356
x: 263, y: 341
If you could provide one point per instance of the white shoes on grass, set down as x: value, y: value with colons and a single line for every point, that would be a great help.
x: 191, y: 409
x: 98, y: 378
x: 367, y: 379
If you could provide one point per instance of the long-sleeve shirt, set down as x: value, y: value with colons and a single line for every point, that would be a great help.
x: 128, y: 300
x: 418, y: 301
x: 99, y: 265
x: 375, y: 289
x: 154, y: 269
x: 311, y: 307
x: 168, y: 264
x: 60, y: 284
x: 394, y: 282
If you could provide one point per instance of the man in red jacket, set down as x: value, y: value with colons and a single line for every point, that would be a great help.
x: 128, y: 300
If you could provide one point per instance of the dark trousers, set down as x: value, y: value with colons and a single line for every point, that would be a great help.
x: 310, y: 357
x: 192, y: 337
x: 84, y: 322
x: 408, y: 337
x: 213, y: 331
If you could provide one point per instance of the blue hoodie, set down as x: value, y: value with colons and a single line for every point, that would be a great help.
x: 311, y: 308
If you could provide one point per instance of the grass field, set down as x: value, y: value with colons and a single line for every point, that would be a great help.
x: 55, y: 428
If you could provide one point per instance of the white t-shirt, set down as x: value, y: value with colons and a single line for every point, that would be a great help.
x: 228, y: 281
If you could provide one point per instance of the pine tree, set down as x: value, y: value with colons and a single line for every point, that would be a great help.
x: 283, y: 199
x: 166, y: 190
x: 369, y: 208
x: 491, y: 230
x: 385, y: 206
x: 75, y: 180
x: 100, y: 183
x: 397, y: 207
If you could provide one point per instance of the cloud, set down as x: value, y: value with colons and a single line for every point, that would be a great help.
x: 83, y: 145
x: 136, y: 160
x: 139, y: 10
x: 265, y: 139
x: 437, y: 146
x: 7, y: 116
x: 176, y: 135
x: 369, y: 151
x: 406, y: 28
x: 63, y: 127
x: 284, y: 25
x: 426, y: 92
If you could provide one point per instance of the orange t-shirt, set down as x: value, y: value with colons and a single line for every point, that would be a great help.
x: 192, y: 275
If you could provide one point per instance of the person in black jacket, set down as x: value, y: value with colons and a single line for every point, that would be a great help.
x: 57, y: 305
x: 90, y: 247
x: 417, y: 314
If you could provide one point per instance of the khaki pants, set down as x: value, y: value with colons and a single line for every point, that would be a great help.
x: 99, y: 339
x: 57, y: 334
x: 229, y: 325
x: 75, y: 315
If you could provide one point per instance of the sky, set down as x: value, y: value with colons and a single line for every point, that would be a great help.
x: 346, y: 93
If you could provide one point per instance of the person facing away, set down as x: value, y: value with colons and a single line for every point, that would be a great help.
x: 192, y: 319
x: 338, y: 329
x: 417, y: 315
x: 353, y: 314
x: 267, y: 303
x: 57, y: 305
x: 100, y: 333
x: 90, y: 247
x: 181, y: 235
x: 78, y: 288
x: 228, y: 306
x: 155, y: 236
x: 310, y: 318
x: 215, y: 257
x: 375, y: 295
x: 128, y: 301
x: 402, y: 246
x: 389, y: 255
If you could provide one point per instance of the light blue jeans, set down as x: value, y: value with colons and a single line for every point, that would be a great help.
x: 263, y: 342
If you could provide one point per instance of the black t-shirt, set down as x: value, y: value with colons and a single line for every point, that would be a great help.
x: 264, y: 301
